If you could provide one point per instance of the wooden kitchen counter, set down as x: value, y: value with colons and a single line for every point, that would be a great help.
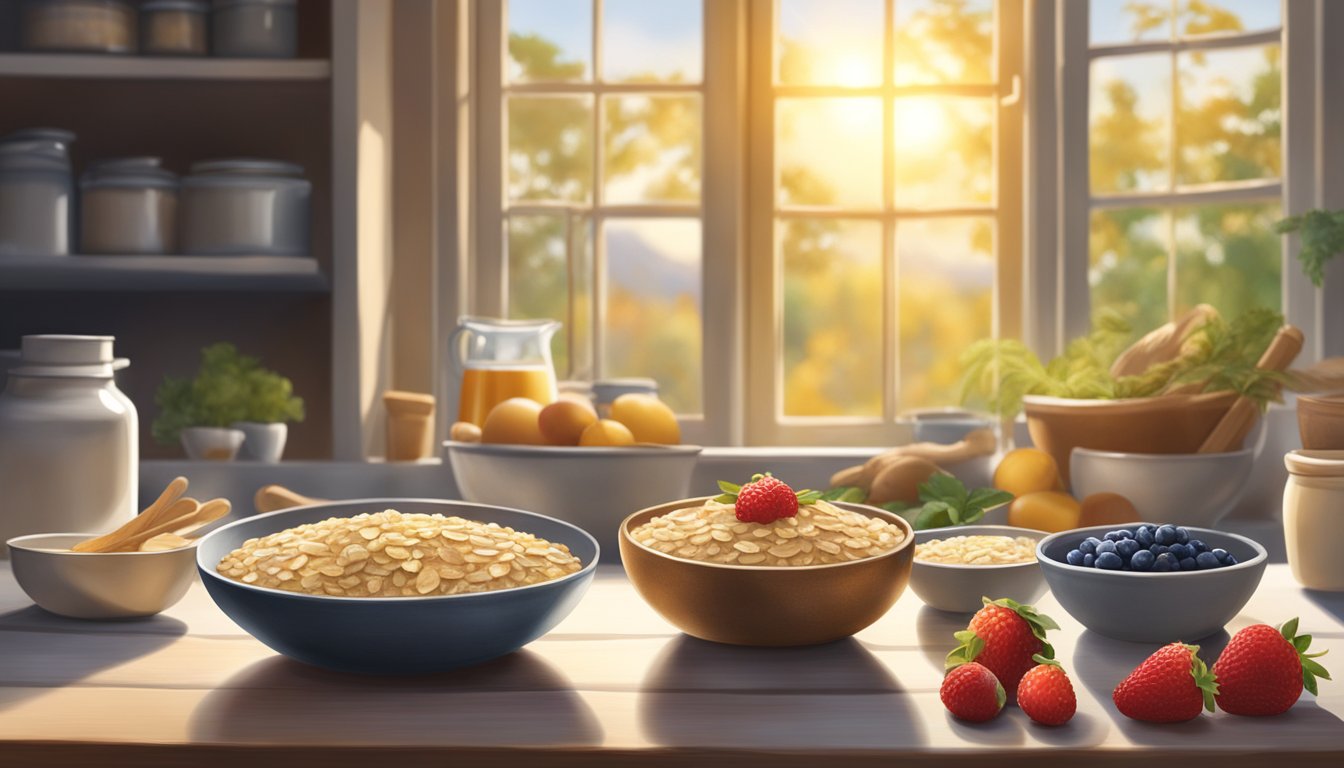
x: 613, y: 685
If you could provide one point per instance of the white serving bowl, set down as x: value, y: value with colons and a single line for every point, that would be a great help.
x: 99, y: 585
x: 1182, y: 489
x: 593, y: 488
x: 958, y: 588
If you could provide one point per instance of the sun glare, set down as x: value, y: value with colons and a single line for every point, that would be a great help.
x: 851, y: 70
x: 920, y: 124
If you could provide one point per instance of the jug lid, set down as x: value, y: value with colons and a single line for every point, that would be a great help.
x: 59, y: 355
x: 506, y: 323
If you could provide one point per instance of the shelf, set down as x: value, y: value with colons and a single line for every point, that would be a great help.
x: 160, y: 68
x: 163, y: 273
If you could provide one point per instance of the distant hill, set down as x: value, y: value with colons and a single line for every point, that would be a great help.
x: 638, y: 266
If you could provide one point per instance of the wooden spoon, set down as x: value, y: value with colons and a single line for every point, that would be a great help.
x: 208, y: 512
x: 273, y: 498
x: 1229, y: 433
x: 162, y: 509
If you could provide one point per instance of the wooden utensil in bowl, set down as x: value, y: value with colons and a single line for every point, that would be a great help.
x: 1240, y: 418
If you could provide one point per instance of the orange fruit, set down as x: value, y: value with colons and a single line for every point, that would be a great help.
x: 1027, y: 470
x: 1049, y: 511
x: 513, y: 421
x: 1107, y: 509
x: 606, y: 433
x: 648, y: 418
x: 563, y: 422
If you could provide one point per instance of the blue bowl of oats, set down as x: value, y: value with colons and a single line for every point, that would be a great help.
x: 397, y: 586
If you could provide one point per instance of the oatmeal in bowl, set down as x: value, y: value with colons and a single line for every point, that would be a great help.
x: 732, y: 569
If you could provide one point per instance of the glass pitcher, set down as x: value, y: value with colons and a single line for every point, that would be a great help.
x: 496, y: 359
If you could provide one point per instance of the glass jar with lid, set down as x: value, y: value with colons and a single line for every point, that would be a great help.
x: 36, y: 196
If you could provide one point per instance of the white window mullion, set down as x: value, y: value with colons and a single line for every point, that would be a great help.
x: 891, y: 297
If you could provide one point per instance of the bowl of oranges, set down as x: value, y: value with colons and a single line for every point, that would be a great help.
x: 562, y: 460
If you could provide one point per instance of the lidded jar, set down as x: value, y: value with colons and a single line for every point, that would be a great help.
x: 68, y: 440
x: 1313, y: 517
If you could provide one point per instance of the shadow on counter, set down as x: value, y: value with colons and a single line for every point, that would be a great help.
x: 827, y: 697
x: 43, y: 650
x: 517, y: 700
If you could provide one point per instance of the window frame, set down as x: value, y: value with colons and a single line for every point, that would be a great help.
x: 717, y: 210
x: 1297, y: 189
x: 766, y: 422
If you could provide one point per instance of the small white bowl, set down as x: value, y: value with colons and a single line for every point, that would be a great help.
x: 99, y: 585
x: 593, y: 488
x: 958, y: 588
x: 1180, y: 488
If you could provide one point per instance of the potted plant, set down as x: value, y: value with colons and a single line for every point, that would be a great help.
x: 1322, y: 235
x: 232, y: 402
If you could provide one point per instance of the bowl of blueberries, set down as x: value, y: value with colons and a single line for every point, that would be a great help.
x: 1151, y: 583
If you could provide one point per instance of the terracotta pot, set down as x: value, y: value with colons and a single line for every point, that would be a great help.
x: 1320, y: 422
x: 1164, y: 424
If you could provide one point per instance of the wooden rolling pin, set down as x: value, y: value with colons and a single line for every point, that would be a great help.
x: 273, y: 498
x: 1240, y: 418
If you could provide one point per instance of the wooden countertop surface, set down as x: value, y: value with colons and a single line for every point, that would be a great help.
x: 612, y: 685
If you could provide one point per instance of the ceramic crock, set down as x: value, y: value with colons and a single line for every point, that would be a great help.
x: 1313, y: 517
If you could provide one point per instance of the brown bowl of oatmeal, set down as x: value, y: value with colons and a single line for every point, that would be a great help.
x: 826, y: 574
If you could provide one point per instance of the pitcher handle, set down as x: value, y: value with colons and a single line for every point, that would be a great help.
x: 455, y: 356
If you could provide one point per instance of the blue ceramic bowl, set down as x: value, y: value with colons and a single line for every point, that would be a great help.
x: 396, y: 635
x: 1152, y: 607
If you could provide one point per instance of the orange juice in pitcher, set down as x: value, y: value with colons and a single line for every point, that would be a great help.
x: 499, y: 359
x: 484, y: 388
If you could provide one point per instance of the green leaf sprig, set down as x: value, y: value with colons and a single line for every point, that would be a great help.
x: 947, y: 502
x: 1322, y: 235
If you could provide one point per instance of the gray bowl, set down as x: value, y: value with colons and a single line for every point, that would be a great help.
x: 396, y: 635
x: 98, y: 585
x: 593, y: 488
x: 1152, y: 607
x: 958, y: 588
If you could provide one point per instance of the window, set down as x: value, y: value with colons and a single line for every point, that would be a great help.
x: 599, y: 210
x: 1186, y: 157
x: 886, y: 136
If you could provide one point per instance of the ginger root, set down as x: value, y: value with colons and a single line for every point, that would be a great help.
x: 979, y: 442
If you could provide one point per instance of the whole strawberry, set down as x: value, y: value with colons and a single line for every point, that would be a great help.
x: 971, y: 692
x: 1263, y: 670
x: 1171, y: 686
x: 1046, y: 694
x: 764, y: 500
x: 1005, y: 636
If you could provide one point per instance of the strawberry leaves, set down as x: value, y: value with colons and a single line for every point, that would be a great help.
x: 732, y: 490
x: 1205, y: 680
x: 1038, y: 621
x: 1311, y: 669
x: 970, y: 646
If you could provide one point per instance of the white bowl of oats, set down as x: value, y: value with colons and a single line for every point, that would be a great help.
x: 825, y: 574
x: 955, y: 567
x: 397, y: 586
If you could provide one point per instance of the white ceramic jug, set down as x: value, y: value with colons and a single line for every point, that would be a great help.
x: 68, y: 440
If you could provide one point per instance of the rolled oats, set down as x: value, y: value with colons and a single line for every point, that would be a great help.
x: 389, y: 554
x: 820, y: 534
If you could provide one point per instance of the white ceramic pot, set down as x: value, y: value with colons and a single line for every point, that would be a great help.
x: 212, y: 443
x: 265, y: 441
x: 68, y: 440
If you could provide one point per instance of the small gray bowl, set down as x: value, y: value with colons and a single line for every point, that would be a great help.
x: 98, y: 585
x: 958, y: 588
x: 1152, y: 607
x: 397, y: 635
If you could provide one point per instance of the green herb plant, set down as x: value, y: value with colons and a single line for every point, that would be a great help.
x: 1219, y: 356
x: 1322, y: 235
x: 945, y: 501
x: 228, y: 387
